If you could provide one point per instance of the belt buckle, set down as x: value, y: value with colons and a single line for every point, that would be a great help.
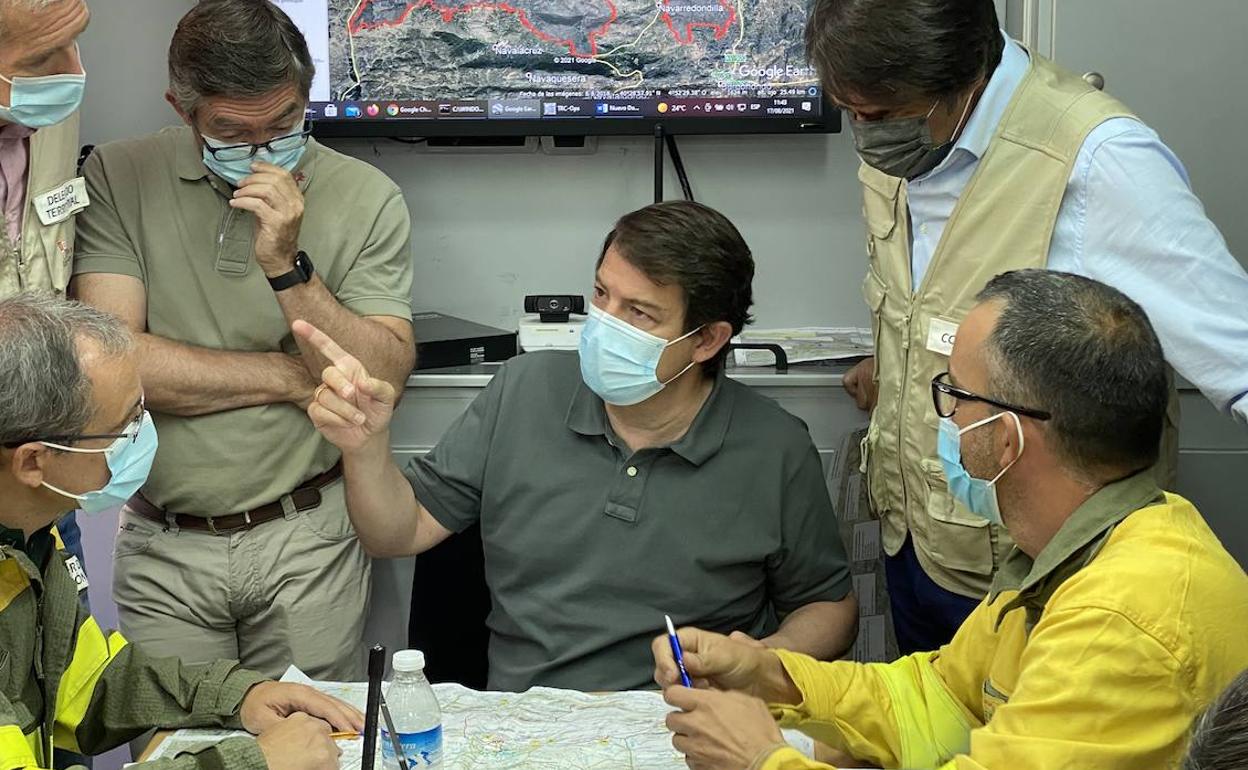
x: 212, y: 526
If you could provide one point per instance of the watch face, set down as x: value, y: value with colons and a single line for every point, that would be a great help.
x: 303, y: 264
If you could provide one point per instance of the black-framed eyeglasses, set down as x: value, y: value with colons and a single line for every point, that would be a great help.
x: 945, y: 398
x: 236, y: 152
x: 130, y: 432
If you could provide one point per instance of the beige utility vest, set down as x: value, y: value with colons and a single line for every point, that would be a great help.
x: 1003, y: 221
x: 43, y: 257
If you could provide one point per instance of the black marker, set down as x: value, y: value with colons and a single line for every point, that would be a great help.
x: 376, y: 670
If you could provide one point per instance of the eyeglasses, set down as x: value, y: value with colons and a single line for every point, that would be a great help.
x: 236, y: 152
x: 131, y: 432
x: 945, y: 398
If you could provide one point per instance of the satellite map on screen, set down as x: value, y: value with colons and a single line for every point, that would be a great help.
x: 603, y: 49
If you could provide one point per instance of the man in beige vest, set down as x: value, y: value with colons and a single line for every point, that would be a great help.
x: 41, y: 83
x: 980, y: 157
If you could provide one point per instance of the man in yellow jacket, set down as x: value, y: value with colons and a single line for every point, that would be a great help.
x: 73, y: 431
x: 1115, y: 620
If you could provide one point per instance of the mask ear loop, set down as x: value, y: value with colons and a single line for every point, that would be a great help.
x: 1018, y: 424
x: 691, y: 363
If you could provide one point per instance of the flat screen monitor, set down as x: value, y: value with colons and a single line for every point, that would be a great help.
x: 560, y: 67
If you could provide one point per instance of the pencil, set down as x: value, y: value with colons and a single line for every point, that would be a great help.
x: 348, y: 735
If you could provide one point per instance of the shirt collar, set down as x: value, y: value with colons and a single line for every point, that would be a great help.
x: 587, y: 415
x: 982, y: 124
x: 189, y: 159
x: 38, y: 547
x: 14, y: 132
x: 1085, y: 528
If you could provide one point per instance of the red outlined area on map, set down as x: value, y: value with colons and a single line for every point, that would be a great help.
x: 721, y: 29
x: 355, y: 25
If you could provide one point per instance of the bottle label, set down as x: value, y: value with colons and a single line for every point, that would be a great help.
x: 421, y: 749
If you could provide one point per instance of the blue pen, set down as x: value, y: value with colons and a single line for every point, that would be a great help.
x: 677, y: 652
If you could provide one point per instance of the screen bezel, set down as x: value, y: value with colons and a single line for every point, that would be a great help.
x: 828, y: 122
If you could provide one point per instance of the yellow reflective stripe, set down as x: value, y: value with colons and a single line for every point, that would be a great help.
x: 56, y: 538
x: 16, y: 749
x: 92, y: 654
x: 931, y: 724
x: 13, y: 582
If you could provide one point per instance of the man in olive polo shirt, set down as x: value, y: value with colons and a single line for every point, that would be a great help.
x: 619, y: 484
x: 203, y: 239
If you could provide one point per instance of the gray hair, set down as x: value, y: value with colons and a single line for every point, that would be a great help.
x: 236, y: 48
x: 1088, y: 355
x: 45, y: 390
x: 1220, y: 735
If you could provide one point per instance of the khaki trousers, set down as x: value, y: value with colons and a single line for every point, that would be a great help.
x: 291, y: 590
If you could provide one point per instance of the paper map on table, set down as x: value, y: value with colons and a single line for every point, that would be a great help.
x: 807, y: 343
x: 542, y: 728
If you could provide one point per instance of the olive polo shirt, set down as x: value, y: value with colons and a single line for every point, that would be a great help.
x: 157, y: 214
x: 588, y: 544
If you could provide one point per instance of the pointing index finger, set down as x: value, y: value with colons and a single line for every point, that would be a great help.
x: 327, y: 347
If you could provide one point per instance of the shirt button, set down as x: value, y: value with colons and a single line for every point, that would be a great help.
x: 632, y: 470
x: 923, y: 229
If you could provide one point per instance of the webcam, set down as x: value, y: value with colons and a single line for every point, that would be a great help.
x: 554, y: 308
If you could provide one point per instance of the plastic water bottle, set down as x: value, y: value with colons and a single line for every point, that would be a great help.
x: 417, y: 717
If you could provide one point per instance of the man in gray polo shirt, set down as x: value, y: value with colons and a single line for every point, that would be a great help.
x: 619, y: 484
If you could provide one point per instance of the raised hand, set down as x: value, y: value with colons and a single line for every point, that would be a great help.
x: 271, y: 194
x: 350, y: 408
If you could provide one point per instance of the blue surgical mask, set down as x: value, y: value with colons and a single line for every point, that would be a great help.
x: 620, y: 362
x: 235, y: 171
x: 978, y: 495
x: 129, y: 461
x: 39, y: 102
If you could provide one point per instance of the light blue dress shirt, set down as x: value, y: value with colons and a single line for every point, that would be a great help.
x: 1129, y: 219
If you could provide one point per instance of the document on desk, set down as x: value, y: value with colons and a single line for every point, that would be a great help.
x: 805, y: 343
x: 547, y: 728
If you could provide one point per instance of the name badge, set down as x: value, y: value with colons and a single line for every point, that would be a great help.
x: 941, y: 335
x: 61, y: 203
x: 77, y: 573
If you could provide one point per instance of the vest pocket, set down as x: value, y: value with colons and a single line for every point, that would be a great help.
x: 874, y: 292
x: 956, y: 538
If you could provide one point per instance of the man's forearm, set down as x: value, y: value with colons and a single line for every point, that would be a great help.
x: 189, y: 381
x: 379, y: 349
x: 822, y: 630
x: 380, y: 501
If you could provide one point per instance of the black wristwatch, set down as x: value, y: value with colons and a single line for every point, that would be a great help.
x: 302, y: 273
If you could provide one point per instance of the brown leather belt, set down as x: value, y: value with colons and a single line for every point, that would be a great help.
x: 305, y: 497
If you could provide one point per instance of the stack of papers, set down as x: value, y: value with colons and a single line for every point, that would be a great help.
x: 805, y: 344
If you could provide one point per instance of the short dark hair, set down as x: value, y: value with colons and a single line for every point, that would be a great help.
x: 699, y: 250
x: 1087, y: 354
x: 896, y: 51
x: 1220, y: 735
x: 236, y: 48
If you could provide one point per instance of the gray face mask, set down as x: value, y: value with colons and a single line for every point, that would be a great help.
x: 903, y: 147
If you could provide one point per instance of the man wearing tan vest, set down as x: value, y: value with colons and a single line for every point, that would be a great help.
x: 980, y: 157
x: 41, y: 84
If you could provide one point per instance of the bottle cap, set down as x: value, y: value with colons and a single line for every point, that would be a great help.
x: 409, y: 660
